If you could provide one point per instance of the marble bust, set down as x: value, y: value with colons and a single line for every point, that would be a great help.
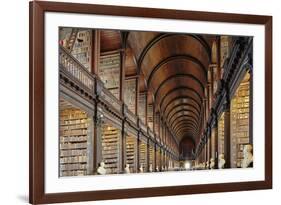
x: 212, y: 163
x: 127, y: 169
x: 101, y: 169
x: 141, y: 169
x: 207, y: 165
x: 221, y: 161
x: 150, y: 168
x: 247, y: 156
x: 157, y: 169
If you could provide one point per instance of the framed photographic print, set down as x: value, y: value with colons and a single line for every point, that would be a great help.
x: 139, y: 102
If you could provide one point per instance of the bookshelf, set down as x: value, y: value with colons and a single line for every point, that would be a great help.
x: 131, y: 150
x: 224, y: 48
x: 109, y: 72
x: 239, y: 121
x: 82, y: 48
x: 142, y: 107
x: 221, y: 134
x: 130, y: 94
x: 150, y: 116
x: 74, y: 135
x: 158, y: 158
x: 143, y: 155
x: 213, y: 144
x: 111, y: 148
x: 152, y: 156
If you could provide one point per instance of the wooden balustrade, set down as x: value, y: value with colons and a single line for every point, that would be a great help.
x: 143, y: 127
x: 107, y: 96
x: 131, y: 116
x: 73, y: 67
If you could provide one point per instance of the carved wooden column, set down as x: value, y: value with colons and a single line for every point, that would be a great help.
x: 95, y: 52
x: 123, y: 147
x: 122, y: 74
x: 95, y: 56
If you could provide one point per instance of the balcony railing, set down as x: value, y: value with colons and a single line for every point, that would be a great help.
x: 130, y: 115
x: 73, y: 67
x: 143, y: 126
x: 107, y: 96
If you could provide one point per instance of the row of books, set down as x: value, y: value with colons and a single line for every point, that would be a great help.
x: 69, y: 167
x: 74, y: 159
x: 65, y: 139
x: 71, y: 132
x: 73, y: 173
x: 110, y: 148
x: 75, y: 152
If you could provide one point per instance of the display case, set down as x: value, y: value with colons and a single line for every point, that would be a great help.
x: 75, y: 132
x: 239, y: 121
x: 111, y: 148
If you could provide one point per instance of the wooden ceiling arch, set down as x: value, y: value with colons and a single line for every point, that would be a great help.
x: 183, y: 111
x: 185, y: 129
x: 184, y: 117
x: 173, y: 59
x: 184, y: 124
x: 182, y: 106
x: 186, y: 88
x: 174, y: 77
x: 185, y: 99
x: 161, y: 36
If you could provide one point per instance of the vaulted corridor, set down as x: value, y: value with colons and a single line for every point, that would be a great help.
x: 135, y: 101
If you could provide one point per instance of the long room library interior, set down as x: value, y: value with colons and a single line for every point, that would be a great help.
x: 147, y: 102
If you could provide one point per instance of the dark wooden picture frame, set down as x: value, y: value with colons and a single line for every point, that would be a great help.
x: 37, y: 10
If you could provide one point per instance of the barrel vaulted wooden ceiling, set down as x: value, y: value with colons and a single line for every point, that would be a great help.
x: 173, y: 68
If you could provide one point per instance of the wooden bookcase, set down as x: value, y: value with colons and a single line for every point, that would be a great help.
x: 74, y: 134
x: 158, y: 158
x: 142, y: 107
x: 143, y: 155
x: 239, y: 121
x: 109, y: 72
x: 221, y: 134
x: 150, y: 116
x: 82, y: 48
x: 131, y: 150
x: 152, y: 156
x: 130, y: 94
x: 111, y: 148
